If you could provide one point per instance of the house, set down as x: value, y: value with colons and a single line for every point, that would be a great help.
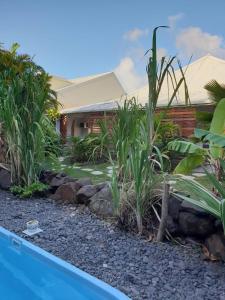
x: 80, y: 97
x: 86, y: 100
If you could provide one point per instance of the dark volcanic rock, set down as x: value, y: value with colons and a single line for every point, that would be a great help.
x: 47, y: 176
x: 66, y: 192
x: 172, y: 225
x: 85, y: 193
x: 60, y: 179
x: 174, y: 206
x: 215, y: 243
x: 102, y: 203
x: 193, y: 225
x: 101, y: 185
x: 5, y: 179
x: 84, y: 181
x: 194, y: 209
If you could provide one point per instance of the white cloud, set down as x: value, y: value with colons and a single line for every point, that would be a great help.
x: 135, y: 34
x: 172, y: 20
x: 194, y: 41
x: 128, y: 75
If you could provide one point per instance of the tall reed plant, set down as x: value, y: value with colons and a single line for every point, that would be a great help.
x: 25, y: 97
x: 139, y: 161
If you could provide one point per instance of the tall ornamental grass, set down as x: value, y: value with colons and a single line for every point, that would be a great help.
x: 25, y: 97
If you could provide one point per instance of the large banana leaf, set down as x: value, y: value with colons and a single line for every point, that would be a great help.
x: 196, y: 156
x: 219, y: 186
x: 206, y: 135
x: 201, y: 197
x: 186, y: 147
x: 189, y: 163
x: 218, y: 127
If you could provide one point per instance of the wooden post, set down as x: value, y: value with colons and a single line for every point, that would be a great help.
x: 164, y: 212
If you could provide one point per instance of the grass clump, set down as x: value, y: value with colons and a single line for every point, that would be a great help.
x: 36, y: 188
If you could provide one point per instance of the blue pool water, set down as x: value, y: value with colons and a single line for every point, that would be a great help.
x: 29, y: 273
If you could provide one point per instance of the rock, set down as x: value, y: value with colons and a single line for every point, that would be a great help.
x: 194, y: 209
x: 66, y: 192
x: 47, y: 176
x: 192, y: 225
x: 5, y: 179
x: 101, y: 185
x: 60, y: 179
x: 174, y: 207
x: 84, y: 181
x: 215, y: 244
x: 102, y: 203
x: 85, y: 193
x: 218, y: 225
x: 172, y: 226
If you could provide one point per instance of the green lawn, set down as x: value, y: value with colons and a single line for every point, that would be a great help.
x: 81, y: 170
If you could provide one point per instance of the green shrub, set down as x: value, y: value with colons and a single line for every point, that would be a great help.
x: 36, y: 188
x: 85, y: 149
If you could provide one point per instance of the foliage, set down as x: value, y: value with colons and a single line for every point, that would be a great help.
x: 166, y: 132
x: 197, y: 155
x: 36, y: 188
x: 132, y: 140
x: 25, y: 97
x: 158, y: 74
x: 202, y: 196
x: 53, y: 114
x: 133, y: 179
x: 204, y: 119
x: 215, y: 90
x: 85, y: 149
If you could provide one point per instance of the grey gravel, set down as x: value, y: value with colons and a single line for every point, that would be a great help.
x: 140, y: 269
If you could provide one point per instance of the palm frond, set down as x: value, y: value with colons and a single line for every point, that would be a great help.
x: 216, y: 91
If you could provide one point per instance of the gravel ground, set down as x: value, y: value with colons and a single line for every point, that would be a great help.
x: 140, y: 269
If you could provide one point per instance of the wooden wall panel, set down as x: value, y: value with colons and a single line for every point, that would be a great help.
x: 184, y: 117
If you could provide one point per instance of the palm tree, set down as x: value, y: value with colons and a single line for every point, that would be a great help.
x: 216, y: 91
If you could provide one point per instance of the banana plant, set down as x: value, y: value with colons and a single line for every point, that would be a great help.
x: 203, y: 197
x: 196, y: 154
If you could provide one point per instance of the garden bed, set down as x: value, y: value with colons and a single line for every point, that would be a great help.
x: 141, y: 269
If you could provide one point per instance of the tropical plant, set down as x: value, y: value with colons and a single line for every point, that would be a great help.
x: 167, y: 131
x: 158, y: 74
x: 132, y: 179
x: 133, y: 136
x: 25, y: 97
x: 201, y: 196
x: 216, y: 92
x: 85, y: 149
x: 196, y: 154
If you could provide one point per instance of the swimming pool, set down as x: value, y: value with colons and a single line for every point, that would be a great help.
x: 29, y: 273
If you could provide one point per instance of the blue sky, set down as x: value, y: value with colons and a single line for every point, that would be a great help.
x: 82, y: 37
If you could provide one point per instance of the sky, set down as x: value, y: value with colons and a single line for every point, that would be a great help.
x: 73, y: 38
